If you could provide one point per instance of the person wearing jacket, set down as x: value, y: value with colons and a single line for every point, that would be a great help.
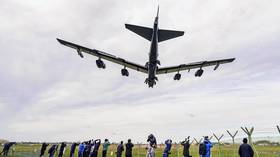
x: 87, y: 150
x: 245, y: 150
x: 81, y: 149
x: 7, y: 147
x: 73, y: 148
x: 167, y: 149
x: 120, y: 149
x: 152, y: 146
x: 128, y: 148
x: 96, y: 144
x: 61, y: 149
x: 186, y: 147
x: 52, y: 150
x: 106, y: 144
x: 208, y: 146
x: 43, y: 149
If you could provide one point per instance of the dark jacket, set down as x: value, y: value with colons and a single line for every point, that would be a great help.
x: 245, y: 150
x: 52, y: 149
x: 43, y: 148
x: 120, y: 149
x: 186, y: 149
x: 61, y: 150
x: 73, y: 148
x: 128, y: 149
x: 96, y: 144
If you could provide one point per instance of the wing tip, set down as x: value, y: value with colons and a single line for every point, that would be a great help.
x: 232, y: 59
x: 59, y: 40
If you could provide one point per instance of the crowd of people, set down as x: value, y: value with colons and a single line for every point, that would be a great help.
x: 90, y: 148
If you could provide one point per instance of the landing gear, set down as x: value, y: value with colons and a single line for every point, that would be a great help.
x: 100, y: 64
x: 124, y: 72
x: 198, y: 73
x: 177, y: 76
x: 151, y: 82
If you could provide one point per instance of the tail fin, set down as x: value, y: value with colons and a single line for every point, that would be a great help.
x: 168, y: 34
x: 144, y: 32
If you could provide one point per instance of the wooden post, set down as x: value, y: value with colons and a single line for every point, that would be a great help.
x: 219, y: 142
x: 249, y: 134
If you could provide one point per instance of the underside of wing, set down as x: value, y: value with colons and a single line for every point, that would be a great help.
x: 195, y: 65
x: 104, y: 55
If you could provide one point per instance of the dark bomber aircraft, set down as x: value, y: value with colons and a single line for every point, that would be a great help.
x: 155, y: 35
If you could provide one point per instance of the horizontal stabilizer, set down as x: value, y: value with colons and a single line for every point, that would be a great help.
x: 144, y: 32
x: 168, y: 34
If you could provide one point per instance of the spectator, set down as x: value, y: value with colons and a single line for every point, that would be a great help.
x: 7, y: 147
x: 96, y: 144
x: 208, y: 145
x: 168, y: 145
x: 106, y: 144
x: 152, y: 145
x: 81, y: 149
x: 73, y: 148
x: 186, y: 149
x: 245, y: 150
x: 128, y: 148
x: 52, y: 150
x: 120, y: 149
x: 62, y: 149
x: 43, y: 149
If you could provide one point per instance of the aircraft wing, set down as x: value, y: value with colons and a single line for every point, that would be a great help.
x: 104, y: 55
x: 195, y: 65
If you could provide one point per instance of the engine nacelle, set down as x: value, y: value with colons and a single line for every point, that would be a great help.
x: 177, y: 76
x: 100, y: 64
x: 124, y: 72
x: 80, y: 53
x: 198, y: 73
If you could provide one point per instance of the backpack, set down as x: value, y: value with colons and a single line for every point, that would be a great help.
x: 202, y: 149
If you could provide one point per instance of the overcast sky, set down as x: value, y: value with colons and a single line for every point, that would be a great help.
x: 48, y: 93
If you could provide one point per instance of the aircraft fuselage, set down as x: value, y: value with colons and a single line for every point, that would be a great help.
x: 153, y: 56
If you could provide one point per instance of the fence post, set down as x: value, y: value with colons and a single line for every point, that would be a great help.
x: 138, y: 149
x: 197, y: 142
x: 249, y: 134
x: 219, y: 142
x: 233, y: 140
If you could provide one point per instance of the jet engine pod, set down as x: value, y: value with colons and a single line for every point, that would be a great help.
x: 80, y: 53
x: 177, y: 76
x: 198, y: 73
x: 100, y: 64
x: 125, y: 72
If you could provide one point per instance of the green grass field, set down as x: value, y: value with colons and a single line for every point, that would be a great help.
x: 25, y: 150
